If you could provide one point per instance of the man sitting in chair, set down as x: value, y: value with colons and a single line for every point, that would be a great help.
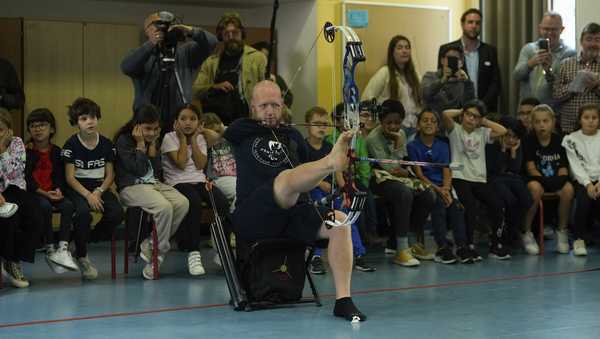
x: 273, y: 178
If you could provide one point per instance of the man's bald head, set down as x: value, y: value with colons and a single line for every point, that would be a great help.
x: 267, y: 103
x: 265, y: 86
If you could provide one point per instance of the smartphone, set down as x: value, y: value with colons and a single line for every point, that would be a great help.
x: 544, y: 44
x: 453, y: 63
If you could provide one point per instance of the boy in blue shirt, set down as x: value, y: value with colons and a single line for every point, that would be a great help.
x: 427, y: 147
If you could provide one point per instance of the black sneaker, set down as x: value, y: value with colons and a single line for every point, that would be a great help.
x: 316, y: 266
x: 361, y: 264
x: 464, y: 255
x: 445, y: 256
x: 499, y: 252
x: 474, y: 254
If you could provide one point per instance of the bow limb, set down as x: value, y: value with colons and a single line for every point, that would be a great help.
x: 271, y: 40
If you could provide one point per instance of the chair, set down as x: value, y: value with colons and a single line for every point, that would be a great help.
x: 545, y: 197
x: 143, y: 219
x: 246, y: 250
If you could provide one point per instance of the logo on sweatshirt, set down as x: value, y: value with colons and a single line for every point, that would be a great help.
x: 269, y: 152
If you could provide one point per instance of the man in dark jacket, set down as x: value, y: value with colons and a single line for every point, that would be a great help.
x: 156, y: 75
x: 480, y: 59
x: 11, y: 93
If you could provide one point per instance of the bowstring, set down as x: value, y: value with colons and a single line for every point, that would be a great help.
x: 291, y: 164
x: 299, y: 69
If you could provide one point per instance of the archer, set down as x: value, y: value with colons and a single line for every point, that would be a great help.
x: 273, y: 178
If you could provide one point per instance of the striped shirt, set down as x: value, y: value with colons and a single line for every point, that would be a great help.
x: 569, y: 101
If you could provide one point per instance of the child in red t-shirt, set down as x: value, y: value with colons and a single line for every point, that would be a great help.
x: 45, y: 176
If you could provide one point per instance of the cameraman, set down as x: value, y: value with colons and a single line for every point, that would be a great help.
x: 450, y: 86
x: 154, y: 70
x: 227, y: 78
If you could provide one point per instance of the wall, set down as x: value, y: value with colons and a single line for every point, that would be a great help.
x: 296, y: 33
x: 121, y: 12
x: 328, y: 56
x: 586, y: 11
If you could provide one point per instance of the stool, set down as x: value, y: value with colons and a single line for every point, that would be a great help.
x: 144, y: 218
x: 545, y: 196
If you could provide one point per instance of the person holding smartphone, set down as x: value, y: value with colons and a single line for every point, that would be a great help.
x: 449, y: 87
x: 539, y: 61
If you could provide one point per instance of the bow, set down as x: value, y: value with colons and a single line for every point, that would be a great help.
x: 353, y: 199
x: 271, y: 40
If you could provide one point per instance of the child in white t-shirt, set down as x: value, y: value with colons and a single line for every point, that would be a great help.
x: 467, y: 147
x: 583, y: 147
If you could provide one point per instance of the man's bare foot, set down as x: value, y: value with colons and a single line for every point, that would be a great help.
x: 338, y: 157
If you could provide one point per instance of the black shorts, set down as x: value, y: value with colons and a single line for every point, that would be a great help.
x: 259, y: 217
x: 551, y: 184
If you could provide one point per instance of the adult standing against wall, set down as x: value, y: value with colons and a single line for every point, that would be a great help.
x: 398, y: 80
x: 162, y: 69
x: 227, y: 78
x: 480, y: 59
x: 578, y: 82
x: 11, y: 92
x: 539, y: 61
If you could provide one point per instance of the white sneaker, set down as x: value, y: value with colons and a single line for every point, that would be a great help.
x: 8, y: 209
x: 62, y: 257
x: 53, y: 266
x: 194, y: 261
x: 146, y: 251
x: 531, y: 247
x: 148, y: 271
x: 562, y: 242
x: 389, y: 251
x: 579, y: 248
x: 88, y: 271
x: 13, y: 272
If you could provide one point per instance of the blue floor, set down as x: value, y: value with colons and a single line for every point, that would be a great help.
x: 556, y: 296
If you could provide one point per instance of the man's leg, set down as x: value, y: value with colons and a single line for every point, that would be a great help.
x: 290, y: 183
x: 340, y: 259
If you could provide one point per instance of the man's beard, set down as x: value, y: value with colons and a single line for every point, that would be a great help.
x: 233, y: 47
x: 473, y: 35
x: 591, y: 54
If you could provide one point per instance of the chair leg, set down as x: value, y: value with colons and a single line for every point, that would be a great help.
x: 541, y: 231
x: 126, y: 251
x: 154, y: 252
x: 113, y: 256
x: 313, y: 288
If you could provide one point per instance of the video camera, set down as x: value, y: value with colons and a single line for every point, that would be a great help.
x: 168, y: 46
x: 370, y: 106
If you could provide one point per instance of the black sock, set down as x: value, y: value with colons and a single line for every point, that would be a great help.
x: 344, y: 307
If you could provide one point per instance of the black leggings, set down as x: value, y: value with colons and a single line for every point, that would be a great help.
x: 20, y: 234
x: 189, y: 232
x: 65, y: 208
x: 470, y: 194
x: 409, y: 208
x: 111, y: 217
x: 585, y: 209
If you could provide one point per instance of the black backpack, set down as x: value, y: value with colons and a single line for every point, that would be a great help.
x: 273, y: 270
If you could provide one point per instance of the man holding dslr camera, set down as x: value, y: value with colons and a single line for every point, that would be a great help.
x: 162, y: 69
x: 539, y: 61
x: 450, y: 86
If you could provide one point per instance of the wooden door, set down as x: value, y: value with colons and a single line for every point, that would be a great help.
x: 105, y: 46
x: 53, y: 72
